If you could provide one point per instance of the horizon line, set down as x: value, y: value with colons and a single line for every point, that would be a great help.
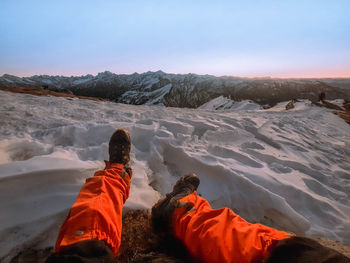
x: 172, y: 73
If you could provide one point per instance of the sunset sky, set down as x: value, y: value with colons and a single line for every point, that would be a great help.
x: 256, y: 38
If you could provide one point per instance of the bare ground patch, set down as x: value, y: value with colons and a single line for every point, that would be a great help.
x: 38, y: 91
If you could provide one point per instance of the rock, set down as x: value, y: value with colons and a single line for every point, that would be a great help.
x: 290, y: 104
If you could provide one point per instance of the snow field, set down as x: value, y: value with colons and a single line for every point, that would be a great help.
x: 287, y: 169
x: 225, y: 104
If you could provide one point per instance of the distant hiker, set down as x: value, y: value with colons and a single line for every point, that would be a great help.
x: 322, y: 96
x: 92, y: 231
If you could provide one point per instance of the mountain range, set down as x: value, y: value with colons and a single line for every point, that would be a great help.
x: 184, y: 90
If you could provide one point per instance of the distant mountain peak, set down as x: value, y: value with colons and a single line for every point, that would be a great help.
x: 105, y: 73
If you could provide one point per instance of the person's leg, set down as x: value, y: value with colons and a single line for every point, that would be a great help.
x: 97, y: 212
x: 222, y: 236
x: 94, y: 222
x: 211, y: 235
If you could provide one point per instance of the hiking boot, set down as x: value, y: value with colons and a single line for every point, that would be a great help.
x: 119, y: 147
x: 163, y: 210
x: 185, y: 185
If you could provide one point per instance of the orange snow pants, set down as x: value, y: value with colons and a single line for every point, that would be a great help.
x: 221, y: 235
x: 97, y: 212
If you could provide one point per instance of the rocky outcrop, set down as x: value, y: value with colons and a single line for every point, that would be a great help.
x: 290, y: 105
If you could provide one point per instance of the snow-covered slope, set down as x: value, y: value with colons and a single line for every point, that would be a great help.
x: 185, y: 90
x: 225, y: 104
x: 287, y: 169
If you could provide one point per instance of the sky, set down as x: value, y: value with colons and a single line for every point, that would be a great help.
x: 248, y: 38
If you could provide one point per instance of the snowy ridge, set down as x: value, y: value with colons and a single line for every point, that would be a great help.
x: 225, y: 104
x: 286, y: 169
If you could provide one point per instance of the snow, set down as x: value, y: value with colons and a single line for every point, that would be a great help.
x: 47, y: 81
x: 155, y: 96
x: 81, y: 81
x: 287, y: 169
x: 225, y: 104
x: 338, y: 102
x: 159, y: 94
x: 300, y: 105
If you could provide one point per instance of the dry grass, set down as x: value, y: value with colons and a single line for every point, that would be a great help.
x: 141, y: 244
x: 336, y: 245
x: 38, y: 91
x: 342, y: 112
x: 345, y: 114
